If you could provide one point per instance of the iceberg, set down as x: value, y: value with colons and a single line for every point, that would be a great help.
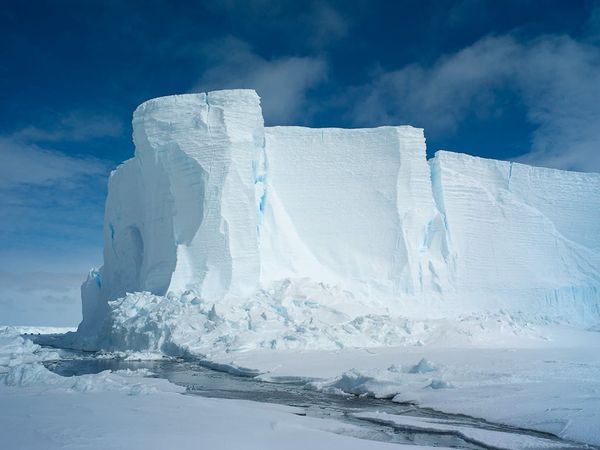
x: 220, y: 217
x: 525, y: 237
x: 352, y: 208
x: 180, y: 214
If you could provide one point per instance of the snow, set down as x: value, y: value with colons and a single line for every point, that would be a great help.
x: 111, y: 420
x: 27, y: 329
x: 181, y: 213
x: 16, y: 350
x: 244, y: 245
x: 127, y: 382
x: 290, y: 315
x: 549, y: 384
x: 125, y: 409
x: 21, y: 365
x: 351, y: 208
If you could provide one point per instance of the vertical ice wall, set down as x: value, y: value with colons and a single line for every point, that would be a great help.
x: 352, y: 207
x: 181, y: 214
x: 216, y: 203
x: 527, y: 238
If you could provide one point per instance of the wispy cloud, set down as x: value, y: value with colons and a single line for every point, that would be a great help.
x: 51, y: 209
x: 75, y: 126
x: 439, y: 96
x: 282, y: 83
x: 560, y: 87
x: 26, y: 163
x: 28, y: 157
x: 45, y: 192
x: 311, y: 25
x: 325, y: 25
x: 592, y: 27
x: 556, y: 77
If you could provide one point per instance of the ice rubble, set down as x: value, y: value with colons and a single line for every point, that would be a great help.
x: 16, y: 350
x: 384, y: 383
x: 128, y: 409
x: 222, y: 231
x: 21, y: 366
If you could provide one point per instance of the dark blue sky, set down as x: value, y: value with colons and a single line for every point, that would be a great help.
x: 502, y: 79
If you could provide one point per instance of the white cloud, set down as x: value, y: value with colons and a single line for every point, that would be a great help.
x: 25, y: 163
x: 282, y: 82
x: 46, y: 194
x: 560, y: 84
x: 440, y: 96
x: 556, y: 77
x: 75, y: 126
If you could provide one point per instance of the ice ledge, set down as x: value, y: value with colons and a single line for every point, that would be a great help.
x: 466, y: 158
x: 203, y: 98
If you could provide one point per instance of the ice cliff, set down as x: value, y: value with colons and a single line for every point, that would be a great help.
x: 217, y: 209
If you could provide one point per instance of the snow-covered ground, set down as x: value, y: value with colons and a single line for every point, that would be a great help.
x: 550, y: 384
x: 43, y: 330
x: 127, y: 410
x: 494, y: 439
x: 34, y: 418
x: 502, y: 367
x: 549, y: 381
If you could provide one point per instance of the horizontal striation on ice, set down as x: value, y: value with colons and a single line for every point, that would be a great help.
x: 359, y: 202
x: 218, y: 207
x: 525, y: 237
x: 181, y: 214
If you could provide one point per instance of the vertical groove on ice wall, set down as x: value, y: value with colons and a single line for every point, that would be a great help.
x: 181, y: 214
x: 420, y: 222
x: 216, y: 203
x: 207, y: 143
x: 359, y: 201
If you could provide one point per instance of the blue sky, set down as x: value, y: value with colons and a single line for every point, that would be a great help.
x: 505, y: 79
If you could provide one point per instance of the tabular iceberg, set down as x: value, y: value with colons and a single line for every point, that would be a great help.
x: 219, y: 210
x: 352, y: 208
x: 525, y: 237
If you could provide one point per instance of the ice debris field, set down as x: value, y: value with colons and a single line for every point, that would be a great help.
x: 347, y: 259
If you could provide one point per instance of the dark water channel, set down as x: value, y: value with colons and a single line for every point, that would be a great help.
x: 207, y: 382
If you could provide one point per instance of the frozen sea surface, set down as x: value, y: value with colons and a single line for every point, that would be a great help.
x: 371, y: 418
